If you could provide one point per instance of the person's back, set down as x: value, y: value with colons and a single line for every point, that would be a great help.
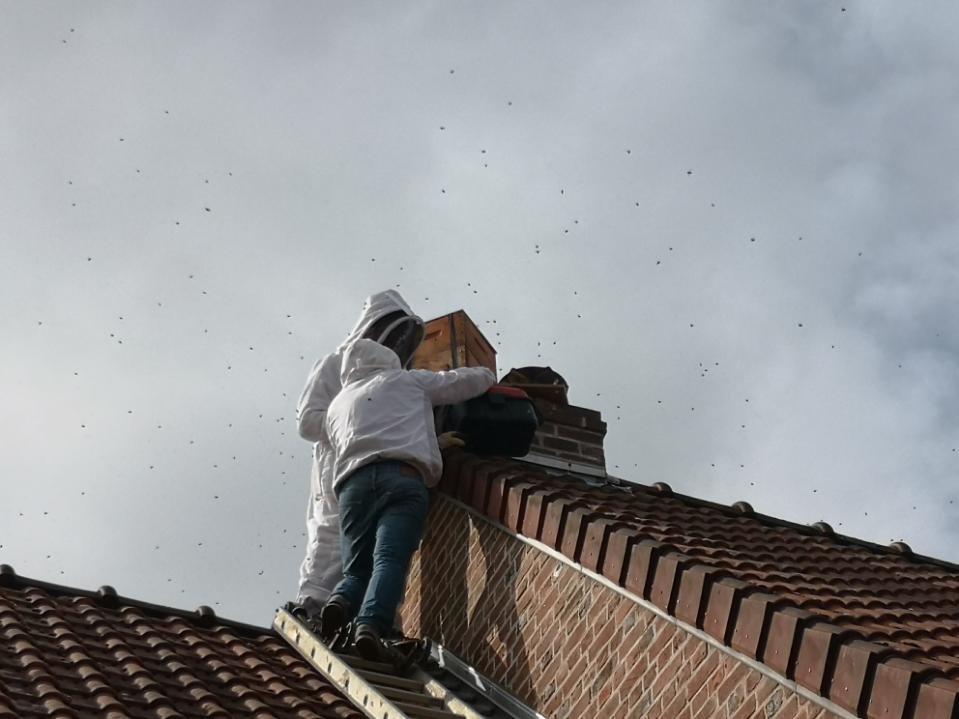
x: 386, y: 412
x: 381, y: 429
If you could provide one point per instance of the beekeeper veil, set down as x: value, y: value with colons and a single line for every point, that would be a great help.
x: 388, y: 320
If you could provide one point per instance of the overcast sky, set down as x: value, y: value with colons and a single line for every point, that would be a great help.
x: 733, y: 227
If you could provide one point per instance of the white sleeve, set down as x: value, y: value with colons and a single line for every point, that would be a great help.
x: 321, y: 388
x: 455, y: 385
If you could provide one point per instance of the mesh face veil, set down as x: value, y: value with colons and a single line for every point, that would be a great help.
x: 403, y: 336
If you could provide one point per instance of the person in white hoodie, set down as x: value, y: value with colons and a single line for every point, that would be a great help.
x: 385, y: 318
x: 380, y: 427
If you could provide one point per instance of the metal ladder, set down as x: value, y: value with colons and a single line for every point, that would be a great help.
x: 374, y: 687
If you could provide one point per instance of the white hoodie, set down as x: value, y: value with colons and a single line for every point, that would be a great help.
x: 385, y: 412
x: 321, y: 567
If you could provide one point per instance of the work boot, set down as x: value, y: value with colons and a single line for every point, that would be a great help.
x: 368, y: 643
x: 404, y: 654
x: 332, y: 618
x: 307, y: 610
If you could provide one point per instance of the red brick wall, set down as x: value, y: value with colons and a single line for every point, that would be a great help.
x: 570, y: 443
x: 566, y: 644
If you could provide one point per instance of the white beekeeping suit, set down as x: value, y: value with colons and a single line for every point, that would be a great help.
x: 321, y: 569
x: 385, y: 412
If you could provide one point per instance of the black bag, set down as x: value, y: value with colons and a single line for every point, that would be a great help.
x: 500, y: 422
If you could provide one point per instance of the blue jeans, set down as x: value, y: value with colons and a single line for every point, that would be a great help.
x: 382, y: 513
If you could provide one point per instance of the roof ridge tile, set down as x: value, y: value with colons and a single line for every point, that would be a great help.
x: 641, y: 565
x: 667, y: 574
x: 694, y: 584
x: 753, y: 617
x: 938, y: 698
x: 896, y: 681
x: 818, y: 651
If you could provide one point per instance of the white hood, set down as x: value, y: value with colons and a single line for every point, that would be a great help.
x: 365, y: 358
x: 376, y: 306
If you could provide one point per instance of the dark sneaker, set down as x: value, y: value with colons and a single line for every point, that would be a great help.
x: 307, y: 610
x: 368, y: 643
x: 332, y: 619
x: 405, y: 653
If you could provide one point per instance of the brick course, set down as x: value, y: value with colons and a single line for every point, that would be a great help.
x: 566, y: 644
x: 563, y: 434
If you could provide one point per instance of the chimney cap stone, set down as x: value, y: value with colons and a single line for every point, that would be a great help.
x: 540, y: 382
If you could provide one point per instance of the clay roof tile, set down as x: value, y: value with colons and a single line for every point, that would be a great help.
x: 76, y: 653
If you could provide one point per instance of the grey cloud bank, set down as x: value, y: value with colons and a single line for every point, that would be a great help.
x: 698, y: 205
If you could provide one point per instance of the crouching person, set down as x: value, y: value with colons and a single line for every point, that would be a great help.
x: 386, y: 452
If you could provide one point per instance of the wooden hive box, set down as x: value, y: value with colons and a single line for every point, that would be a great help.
x: 453, y: 341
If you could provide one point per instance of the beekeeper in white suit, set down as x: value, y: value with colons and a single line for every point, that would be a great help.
x: 388, y: 320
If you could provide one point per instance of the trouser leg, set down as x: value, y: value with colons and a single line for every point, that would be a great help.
x: 357, y: 538
x: 320, y: 570
x: 399, y: 529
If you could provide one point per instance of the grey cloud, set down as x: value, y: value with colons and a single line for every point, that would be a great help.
x: 313, y: 135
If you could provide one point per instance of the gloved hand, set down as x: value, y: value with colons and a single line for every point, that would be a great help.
x: 450, y: 439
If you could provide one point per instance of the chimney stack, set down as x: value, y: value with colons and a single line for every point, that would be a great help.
x: 570, y: 437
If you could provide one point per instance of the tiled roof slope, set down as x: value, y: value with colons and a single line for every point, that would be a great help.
x: 70, y: 654
x: 863, y: 625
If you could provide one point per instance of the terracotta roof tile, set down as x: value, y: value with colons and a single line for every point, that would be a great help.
x: 69, y: 653
x: 822, y: 609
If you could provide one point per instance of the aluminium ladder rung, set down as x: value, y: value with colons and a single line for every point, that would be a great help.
x: 415, y: 711
x: 361, y: 663
x: 390, y: 680
x: 402, y: 695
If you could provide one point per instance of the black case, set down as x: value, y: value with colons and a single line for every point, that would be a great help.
x: 500, y: 422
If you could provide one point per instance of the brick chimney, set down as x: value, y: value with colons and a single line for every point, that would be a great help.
x: 570, y: 438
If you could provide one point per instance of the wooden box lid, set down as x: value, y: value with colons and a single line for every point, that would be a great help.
x: 453, y: 341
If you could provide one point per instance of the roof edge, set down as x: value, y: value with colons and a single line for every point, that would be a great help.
x: 203, y: 617
x: 820, y: 528
x: 756, y: 664
x: 742, y: 508
x: 736, y: 615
